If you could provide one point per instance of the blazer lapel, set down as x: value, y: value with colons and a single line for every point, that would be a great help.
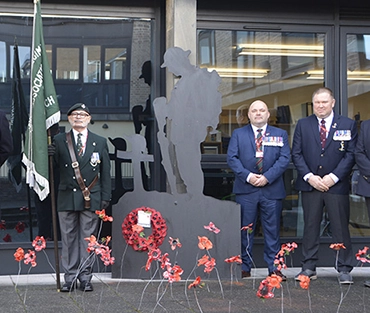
x: 315, y: 129
x: 332, y: 129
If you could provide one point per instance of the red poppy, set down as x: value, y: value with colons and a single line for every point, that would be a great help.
x: 248, y: 228
x: 105, y: 256
x: 153, y: 255
x: 20, y: 227
x: 274, y: 280
x: 362, y: 255
x: 39, y: 243
x: 204, y: 243
x: 304, y: 281
x: 30, y: 257
x: 212, y: 227
x: 195, y: 283
x: 173, y: 273
x: 103, y: 216
x: 2, y: 225
x: 7, y: 238
x: 137, y: 228
x: 19, y: 254
x: 203, y: 260
x: 264, y: 290
x: 286, y: 248
x: 337, y: 246
x: 165, y: 261
x: 210, y: 265
x: 175, y: 243
x: 234, y: 259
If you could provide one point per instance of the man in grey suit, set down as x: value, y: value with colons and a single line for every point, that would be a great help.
x: 323, y: 153
x: 76, y: 209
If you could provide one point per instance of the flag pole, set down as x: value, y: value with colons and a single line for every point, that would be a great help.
x: 54, y: 214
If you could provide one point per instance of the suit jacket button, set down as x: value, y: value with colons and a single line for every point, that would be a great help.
x: 74, y: 189
x: 320, y: 166
x: 322, y: 155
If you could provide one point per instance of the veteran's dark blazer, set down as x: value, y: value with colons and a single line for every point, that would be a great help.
x: 338, y: 156
x: 70, y: 197
x: 362, y: 155
x: 241, y: 157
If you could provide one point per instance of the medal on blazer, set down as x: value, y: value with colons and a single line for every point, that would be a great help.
x: 95, y: 159
x: 342, y: 136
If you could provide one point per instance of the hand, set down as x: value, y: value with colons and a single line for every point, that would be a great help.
x: 328, y: 181
x: 104, y: 205
x: 258, y: 180
x: 51, y: 150
x: 318, y: 183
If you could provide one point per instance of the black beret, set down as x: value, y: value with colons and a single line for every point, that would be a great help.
x: 78, y: 106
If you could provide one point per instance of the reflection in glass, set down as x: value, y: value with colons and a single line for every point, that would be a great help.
x: 358, y: 88
x: 24, y: 60
x: 280, y: 68
x: 276, y: 67
x: 115, y: 63
x: 92, y: 64
x: 2, y: 62
x: 68, y: 63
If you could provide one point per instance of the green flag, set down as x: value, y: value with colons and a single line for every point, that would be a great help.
x: 44, y: 112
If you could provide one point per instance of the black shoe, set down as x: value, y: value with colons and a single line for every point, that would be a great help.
x: 278, y: 273
x: 367, y: 283
x: 246, y: 274
x: 68, y: 287
x: 309, y: 273
x: 86, y: 286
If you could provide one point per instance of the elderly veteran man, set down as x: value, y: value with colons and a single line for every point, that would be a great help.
x: 85, y: 186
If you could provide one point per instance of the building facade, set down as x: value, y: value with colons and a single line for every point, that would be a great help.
x: 276, y: 51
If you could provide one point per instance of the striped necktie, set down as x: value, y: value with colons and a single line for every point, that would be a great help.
x: 259, y: 161
x: 322, y: 134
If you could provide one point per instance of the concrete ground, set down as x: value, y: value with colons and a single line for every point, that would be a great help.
x: 38, y: 294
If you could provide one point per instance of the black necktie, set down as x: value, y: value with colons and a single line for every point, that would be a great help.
x: 322, y: 134
x: 259, y: 162
x: 79, y: 146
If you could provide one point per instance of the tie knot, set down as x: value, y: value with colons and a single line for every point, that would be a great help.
x: 322, y: 122
x: 79, y: 135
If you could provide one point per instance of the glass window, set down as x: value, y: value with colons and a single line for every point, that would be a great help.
x: 358, y: 89
x: 68, y: 63
x: 92, y: 64
x: 115, y: 63
x: 280, y: 68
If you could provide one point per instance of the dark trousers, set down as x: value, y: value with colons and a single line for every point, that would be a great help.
x: 337, y: 207
x: 270, y: 212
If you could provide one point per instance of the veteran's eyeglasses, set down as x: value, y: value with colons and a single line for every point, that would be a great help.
x: 79, y: 114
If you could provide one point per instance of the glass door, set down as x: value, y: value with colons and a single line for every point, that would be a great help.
x: 281, y: 68
x: 355, y: 69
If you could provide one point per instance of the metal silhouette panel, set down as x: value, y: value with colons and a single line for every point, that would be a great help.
x: 195, y: 104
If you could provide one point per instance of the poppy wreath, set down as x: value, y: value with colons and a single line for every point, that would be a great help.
x: 134, y: 238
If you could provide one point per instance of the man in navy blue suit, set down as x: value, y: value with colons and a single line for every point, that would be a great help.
x: 259, y: 155
x: 323, y: 153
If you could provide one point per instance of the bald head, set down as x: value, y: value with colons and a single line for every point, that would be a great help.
x: 258, y: 113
